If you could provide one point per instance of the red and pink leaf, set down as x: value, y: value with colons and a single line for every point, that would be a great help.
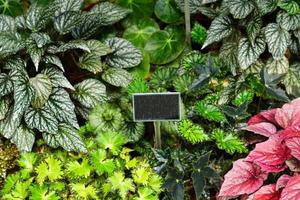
x: 266, y: 116
x: 292, y: 189
x: 244, y: 178
x: 267, y: 192
x: 282, y: 181
x: 294, y: 145
x: 264, y: 128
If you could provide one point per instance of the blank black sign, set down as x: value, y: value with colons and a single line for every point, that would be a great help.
x: 156, y: 106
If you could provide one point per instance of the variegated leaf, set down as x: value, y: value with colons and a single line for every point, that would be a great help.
x: 20, y: 22
x: 62, y: 6
x: 65, y: 22
x: 41, y: 39
x: 248, y: 53
x: 35, y: 53
x: 91, y: 22
x: 109, y: 13
x: 7, y: 23
x: 66, y: 137
x: 277, y: 39
x: 287, y: 21
x: 195, y: 5
x: 43, y: 87
x: 10, y: 44
x: 229, y: 55
x: 6, y: 84
x: 280, y: 66
x: 23, y: 138
x: 73, y: 44
x: 221, y: 27
x: 90, y: 62
x: 253, y: 27
x: 62, y: 107
x: 291, y: 80
x: 266, y: 6
x: 54, y: 60
x: 117, y: 77
x: 98, y: 48
x: 90, y: 92
x: 50, y: 140
x: 41, y: 119
x: 57, y: 78
x: 83, y: 111
x: 36, y: 18
x: 241, y: 8
x: 5, y: 104
x: 124, y: 55
x: 290, y: 6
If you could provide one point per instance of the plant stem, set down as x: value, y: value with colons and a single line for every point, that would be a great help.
x: 157, y: 137
x: 187, y: 16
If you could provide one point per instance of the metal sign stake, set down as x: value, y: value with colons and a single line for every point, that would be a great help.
x: 157, y: 136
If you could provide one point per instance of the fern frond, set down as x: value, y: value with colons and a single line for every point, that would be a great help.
x: 192, y: 132
x: 199, y: 34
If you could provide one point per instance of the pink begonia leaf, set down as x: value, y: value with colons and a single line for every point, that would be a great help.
x: 289, y: 132
x: 264, y: 128
x: 244, y: 178
x: 289, y: 114
x: 265, y: 116
x: 282, y: 181
x: 267, y: 192
x: 294, y: 145
x: 292, y: 189
x: 282, y: 118
x: 269, y: 155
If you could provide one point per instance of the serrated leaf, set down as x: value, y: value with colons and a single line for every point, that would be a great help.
x: 35, y: 54
x: 249, y: 52
x: 41, y: 119
x: 287, y: 21
x: 36, y: 18
x: 6, y: 84
x: 291, y: 80
x: 221, y: 27
x: 10, y: 44
x: 90, y: 92
x: 24, y: 138
x: 43, y: 87
x: 241, y: 8
x: 165, y: 46
x: 62, y: 6
x: 54, y: 60
x: 266, y: 6
x: 277, y: 39
x: 292, y: 7
x: 7, y: 23
x: 109, y: 13
x: 253, y: 27
x: 73, y: 44
x: 57, y: 78
x: 117, y: 77
x: 98, y: 48
x: 167, y: 11
x: 91, y: 62
x: 210, y: 112
x: 280, y: 66
x: 4, y: 107
x: 62, y: 107
x: 65, y: 22
x: 20, y: 22
x: 40, y: 39
x: 91, y: 22
x: 124, y: 55
x: 67, y: 138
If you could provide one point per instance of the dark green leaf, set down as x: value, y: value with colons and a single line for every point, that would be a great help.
x: 241, y: 8
x: 67, y: 21
x: 117, y: 77
x: 42, y: 87
x: 23, y: 138
x: 57, y: 78
x: 166, y: 11
x: 6, y: 84
x: 174, y: 184
x: 90, y: 62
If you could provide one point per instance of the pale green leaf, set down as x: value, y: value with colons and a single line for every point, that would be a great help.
x: 57, y: 78
x: 23, y: 138
x: 124, y: 55
x: 90, y: 62
x: 117, y: 77
x: 98, y: 48
x: 54, y: 60
x: 65, y: 22
x: 241, y: 8
x: 291, y: 80
x: 287, y: 21
x: 90, y: 92
x: 42, y: 87
x: 280, y: 66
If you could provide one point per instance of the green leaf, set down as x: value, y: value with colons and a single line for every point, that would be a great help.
x: 53, y: 60
x: 73, y: 44
x: 143, y: 69
x: 37, y: 18
x: 42, y: 119
x: 62, y: 6
x: 139, y: 33
x: 140, y: 8
x: 41, y: 39
x: 50, y: 168
x: 166, y: 11
x: 277, y: 39
x: 11, y: 7
x: 7, y: 24
x: 90, y: 92
x: 10, y: 44
x: 23, y: 138
x: 35, y: 53
x: 241, y: 8
x: 210, y: 112
x: 280, y: 66
x: 57, y: 78
x: 98, y: 48
x: 133, y: 131
x: 292, y: 7
x: 42, y: 193
x: 291, y: 80
x: 266, y: 6
x: 117, y: 77
x: 109, y: 13
x: 199, y: 34
x: 4, y: 107
x: 91, y: 22
x: 165, y: 46
x: 111, y: 141
x: 221, y: 27
x: 245, y: 96
x: 101, y: 163
x: 62, y: 107
x: 83, y: 191
x: 6, y: 84
x: 191, y: 132
x: 198, y: 183
x: 249, y: 52
x: 42, y: 87
x: 67, y: 21
x: 121, y: 184
x: 287, y: 21
x: 66, y: 137
x: 90, y: 62
x: 253, y: 27
x: 124, y: 55
x: 77, y: 169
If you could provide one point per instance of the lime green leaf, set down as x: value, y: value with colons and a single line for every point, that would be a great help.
x: 112, y: 141
x: 210, y: 112
x: 83, y: 191
x: 117, y: 77
x: 77, y: 169
x: 121, y: 184
x: 42, y: 87
x: 166, y: 11
x: 245, y: 96
x: 101, y: 163
x: 50, y: 168
x: 165, y: 46
x: 292, y: 7
x: 192, y: 132
x: 42, y: 193
x: 141, y: 175
x: 27, y: 161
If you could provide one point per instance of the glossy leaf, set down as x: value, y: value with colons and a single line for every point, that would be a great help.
x: 23, y: 138
x: 6, y: 84
x: 166, y: 11
x: 42, y: 87
x: 90, y: 62
x: 241, y: 8
x: 57, y: 78
x: 117, y: 77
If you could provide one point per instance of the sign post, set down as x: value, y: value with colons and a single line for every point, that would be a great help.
x: 156, y: 107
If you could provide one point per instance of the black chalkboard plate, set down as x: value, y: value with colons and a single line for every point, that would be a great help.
x: 156, y: 106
